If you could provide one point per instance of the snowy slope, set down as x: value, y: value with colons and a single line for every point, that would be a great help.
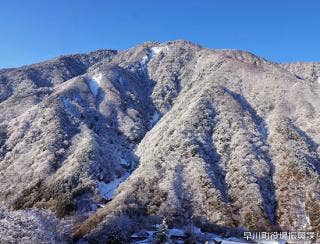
x: 221, y: 140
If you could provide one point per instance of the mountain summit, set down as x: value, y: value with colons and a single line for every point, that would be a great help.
x: 104, y: 146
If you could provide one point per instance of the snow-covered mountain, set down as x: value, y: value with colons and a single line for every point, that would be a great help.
x: 109, y: 144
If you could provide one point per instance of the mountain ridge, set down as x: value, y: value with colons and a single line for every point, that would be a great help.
x: 220, y: 139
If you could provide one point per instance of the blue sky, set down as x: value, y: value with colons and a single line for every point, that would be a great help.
x: 36, y: 30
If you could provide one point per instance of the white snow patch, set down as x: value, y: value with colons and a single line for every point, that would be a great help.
x: 176, y: 232
x: 215, y: 237
x: 95, y: 84
x: 156, y: 50
x: 146, y: 59
x: 107, y: 190
x: 150, y: 232
x: 308, y: 221
x: 143, y: 63
x: 99, y: 205
x: 232, y: 242
x: 132, y: 69
x: 318, y: 80
x: 154, y: 118
x: 124, y: 162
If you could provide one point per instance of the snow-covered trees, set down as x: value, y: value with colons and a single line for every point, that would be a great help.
x: 161, y: 234
x: 220, y: 139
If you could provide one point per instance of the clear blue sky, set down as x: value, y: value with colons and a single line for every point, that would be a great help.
x: 280, y: 30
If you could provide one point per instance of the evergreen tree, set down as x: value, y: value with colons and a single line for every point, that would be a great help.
x: 161, y: 234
